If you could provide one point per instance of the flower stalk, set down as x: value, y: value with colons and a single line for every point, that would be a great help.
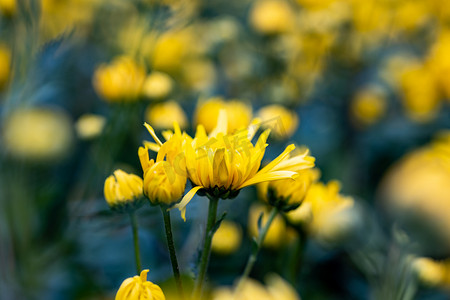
x: 203, y: 264
x: 172, y: 253
x: 137, y: 253
x: 255, y: 250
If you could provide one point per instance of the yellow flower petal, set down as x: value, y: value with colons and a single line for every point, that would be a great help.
x: 152, y: 133
x: 186, y: 199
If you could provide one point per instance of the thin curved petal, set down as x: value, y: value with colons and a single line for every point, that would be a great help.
x: 186, y: 199
x: 262, y: 177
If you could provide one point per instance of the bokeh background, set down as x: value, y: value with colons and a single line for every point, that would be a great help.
x: 365, y: 85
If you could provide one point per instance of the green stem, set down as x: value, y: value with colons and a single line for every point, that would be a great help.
x: 297, y: 257
x: 259, y: 240
x: 137, y: 254
x: 173, y: 255
x: 212, y: 213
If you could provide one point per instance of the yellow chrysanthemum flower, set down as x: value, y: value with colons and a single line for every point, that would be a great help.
x: 138, y: 288
x: 157, y: 85
x: 227, y: 238
x: 90, y: 126
x: 8, y: 7
x: 325, y: 213
x: 171, y: 49
x: 163, y: 115
x: 417, y: 186
x: 369, y: 105
x: 288, y: 194
x: 199, y: 74
x: 119, y: 81
x: 282, y: 121
x: 272, y: 16
x: 123, y: 191
x: 420, y: 93
x: 40, y: 134
x: 162, y: 185
x: 207, y: 113
x: 222, y: 164
x: 165, y: 178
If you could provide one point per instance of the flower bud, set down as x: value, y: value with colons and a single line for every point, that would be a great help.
x: 138, y: 288
x: 163, y: 184
x: 123, y: 191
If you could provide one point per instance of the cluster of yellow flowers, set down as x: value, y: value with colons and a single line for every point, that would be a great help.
x: 219, y: 164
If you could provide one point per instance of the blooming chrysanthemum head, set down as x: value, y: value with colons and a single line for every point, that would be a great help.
x: 138, y: 288
x: 123, y: 191
x: 288, y: 194
x: 221, y: 164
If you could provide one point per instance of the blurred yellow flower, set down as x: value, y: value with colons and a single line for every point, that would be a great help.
x: 8, y: 7
x: 288, y: 194
x: 431, y: 272
x: 59, y: 16
x: 227, y: 238
x: 280, y: 289
x: 207, y: 113
x: 438, y: 61
x: 38, y: 134
x: 199, y: 74
x: 411, y: 15
x: 163, y: 115
x: 251, y: 290
x: 276, y: 235
x: 418, y: 184
x: 90, y: 126
x: 369, y: 105
x: 272, y: 16
x: 138, y: 288
x: 157, y: 85
x: 171, y: 49
x: 164, y: 180
x: 419, y: 93
x: 276, y: 289
x: 221, y: 164
x: 315, y: 4
x: 119, y: 81
x: 325, y: 213
x: 371, y: 17
x: 5, y: 65
x: 123, y: 191
x: 282, y: 121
